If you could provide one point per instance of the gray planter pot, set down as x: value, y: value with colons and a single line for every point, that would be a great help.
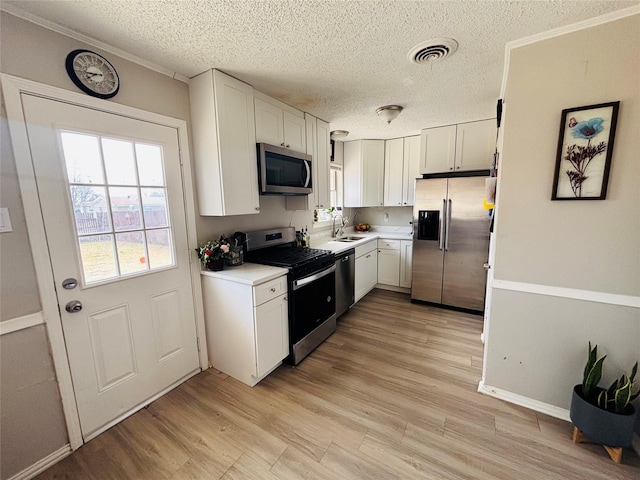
x: 600, y: 426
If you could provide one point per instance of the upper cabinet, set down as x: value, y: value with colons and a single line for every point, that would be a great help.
x: 462, y: 147
x: 224, y: 141
x: 401, y: 167
x: 279, y: 124
x: 364, y: 173
x: 319, y: 147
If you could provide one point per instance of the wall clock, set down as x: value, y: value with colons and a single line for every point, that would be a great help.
x: 92, y: 73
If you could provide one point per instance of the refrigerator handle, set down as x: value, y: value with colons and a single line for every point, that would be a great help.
x: 442, y: 225
x: 448, y: 217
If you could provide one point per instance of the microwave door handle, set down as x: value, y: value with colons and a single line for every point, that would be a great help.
x: 306, y: 165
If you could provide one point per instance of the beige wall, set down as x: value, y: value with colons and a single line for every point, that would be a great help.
x: 537, y: 343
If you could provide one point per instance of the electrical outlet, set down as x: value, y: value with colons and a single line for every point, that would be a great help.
x: 386, y: 217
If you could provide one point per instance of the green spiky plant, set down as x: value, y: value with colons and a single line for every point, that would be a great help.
x: 618, y: 396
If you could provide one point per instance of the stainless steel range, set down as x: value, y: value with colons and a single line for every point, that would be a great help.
x: 311, y: 281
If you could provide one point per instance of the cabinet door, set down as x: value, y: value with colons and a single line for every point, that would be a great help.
x: 475, y: 145
x: 389, y: 267
x: 437, y: 149
x: 366, y: 275
x: 269, y: 121
x: 406, y: 254
x: 372, y: 173
x: 272, y: 334
x: 237, y: 140
x: 351, y: 172
x: 321, y: 186
x: 393, y: 170
x: 295, y: 136
x: 411, y: 169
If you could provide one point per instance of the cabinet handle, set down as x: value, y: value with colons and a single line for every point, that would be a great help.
x: 286, y: 298
x: 282, y: 144
x: 450, y: 168
x: 368, y: 256
x: 458, y: 168
x: 272, y: 289
x: 258, y: 209
x: 288, y: 146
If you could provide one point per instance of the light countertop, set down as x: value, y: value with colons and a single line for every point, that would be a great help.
x: 247, y: 273
x: 392, y: 233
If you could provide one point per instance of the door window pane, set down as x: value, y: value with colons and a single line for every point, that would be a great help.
x: 125, y: 207
x: 150, y: 168
x: 160, y: 248
x: 132, y: 257
x: 119, y: 162
x: 90, y: 209
x: 98, y: 258
x: 154, y: 205
x: 82, y: 158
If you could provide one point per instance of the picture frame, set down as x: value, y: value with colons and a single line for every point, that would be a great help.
x: 585, y: 148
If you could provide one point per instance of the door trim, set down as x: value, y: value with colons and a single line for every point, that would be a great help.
x: 12, y: 88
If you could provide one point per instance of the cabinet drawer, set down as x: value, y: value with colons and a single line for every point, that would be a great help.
x: 366, y: 248
x: 266, y: 291
x: 388, y: 244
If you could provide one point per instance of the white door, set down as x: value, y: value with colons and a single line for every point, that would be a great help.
x: 111, y: 197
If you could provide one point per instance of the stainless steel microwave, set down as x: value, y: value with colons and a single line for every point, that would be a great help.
x: 283, y: 172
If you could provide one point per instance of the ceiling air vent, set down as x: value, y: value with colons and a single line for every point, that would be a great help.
x: 433, y: 50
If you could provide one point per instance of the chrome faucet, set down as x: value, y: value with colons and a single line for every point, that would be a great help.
x: 338, y: 232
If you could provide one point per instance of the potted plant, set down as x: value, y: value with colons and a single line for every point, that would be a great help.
x: 604, y: 416
x: 213, y: 253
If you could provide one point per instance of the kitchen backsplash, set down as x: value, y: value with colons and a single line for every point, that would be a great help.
x: 395, y: 216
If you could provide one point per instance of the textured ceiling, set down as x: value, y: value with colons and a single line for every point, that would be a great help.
x: 338, y: 60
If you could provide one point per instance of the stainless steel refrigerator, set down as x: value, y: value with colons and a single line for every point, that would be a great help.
x: 450, y: 242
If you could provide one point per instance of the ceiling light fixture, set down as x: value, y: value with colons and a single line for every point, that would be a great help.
x: 338, y: 134
x: 389, y: 112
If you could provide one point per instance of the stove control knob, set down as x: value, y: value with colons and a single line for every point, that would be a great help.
x: 329, y: 299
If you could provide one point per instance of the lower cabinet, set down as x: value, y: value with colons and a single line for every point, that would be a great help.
x: 247, y: 326
x: 366, y: 275
x: 394, y: 262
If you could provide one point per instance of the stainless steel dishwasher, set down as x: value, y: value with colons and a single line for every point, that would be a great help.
x: 345, y: 280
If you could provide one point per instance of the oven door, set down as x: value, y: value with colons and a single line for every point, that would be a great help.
x: 312, y: 303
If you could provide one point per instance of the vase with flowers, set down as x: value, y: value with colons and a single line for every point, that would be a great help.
x: 214, y: 253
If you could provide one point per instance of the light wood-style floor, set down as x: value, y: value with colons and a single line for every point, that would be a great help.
x: 390, y: 395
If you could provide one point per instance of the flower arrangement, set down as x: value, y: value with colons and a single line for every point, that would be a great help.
x: 215, y: 250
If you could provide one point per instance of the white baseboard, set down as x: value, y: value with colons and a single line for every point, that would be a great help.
x: 539, y: 406
x: 536, y: 405
x: 41, y: 465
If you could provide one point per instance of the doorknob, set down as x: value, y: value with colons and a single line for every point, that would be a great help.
x: 73, y: 306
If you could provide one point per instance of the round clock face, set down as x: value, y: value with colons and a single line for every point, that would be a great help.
x: 92, y: 73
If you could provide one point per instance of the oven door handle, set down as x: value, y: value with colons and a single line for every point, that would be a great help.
x: 306, y: 280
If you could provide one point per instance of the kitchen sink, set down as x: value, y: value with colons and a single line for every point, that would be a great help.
x: 348, y: 239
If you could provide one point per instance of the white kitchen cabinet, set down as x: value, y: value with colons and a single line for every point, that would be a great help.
x: 401, y: 168
x: 318, y: 146
x: 475, y: 145
x: 411, y: 169
x: 406, y: 256
x: 364, y: 173
x: 394, y: 262
x: 223, y: 128
x: 366, y: 274
x: 247, y: 326
x: 389, y: 262
x: 462, y: 147
x: 279, y: 124
x: 393, y: 171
